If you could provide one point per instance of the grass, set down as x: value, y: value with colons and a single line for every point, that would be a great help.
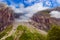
x: 31, y: 36
x: 21, y: 27
x: 9, y: 38
x: 28, y: 35
x: 25, y: 33
x: 3, y: 33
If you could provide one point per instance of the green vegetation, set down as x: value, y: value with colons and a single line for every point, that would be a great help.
x: 21, y: 28
x: 54, y: 33
x: 28, y: 35
x: 9, y: 38
x: 5, y: 32
x: 31, y: 36
x: 25, y: 33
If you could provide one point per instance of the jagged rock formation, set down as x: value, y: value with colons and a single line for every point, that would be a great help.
x: 43, y: 21
x: 6, y: 16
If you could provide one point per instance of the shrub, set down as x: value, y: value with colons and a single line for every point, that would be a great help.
x: 28, y: 35
x: 21, y: 27
x: 31, y: 36
x: 24, y: 33
x: 54, y: 33
x: 9, y: 38
x: 4, y: 32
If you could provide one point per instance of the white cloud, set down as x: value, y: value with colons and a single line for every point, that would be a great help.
x: 55, y: 14
x: 58, y: 1
x: 48, y: 3
x: 30, y: 10
x: 17, y: 10
x: 35, y: 8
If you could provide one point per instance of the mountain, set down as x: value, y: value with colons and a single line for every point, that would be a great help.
x: 6, y: 16
x: 42, y: 19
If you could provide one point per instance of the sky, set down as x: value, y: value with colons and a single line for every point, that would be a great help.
x: 30, y: 6
x: 26, y: 3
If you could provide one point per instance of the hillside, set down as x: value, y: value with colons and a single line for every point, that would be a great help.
x: 9, y: 26
x: 36, y: 28
x: 6, y: 16
x: 43, y: 20
x: 20, y: 27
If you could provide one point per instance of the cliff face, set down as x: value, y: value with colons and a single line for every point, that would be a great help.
x: 6, y: 16
x: 43, y: 21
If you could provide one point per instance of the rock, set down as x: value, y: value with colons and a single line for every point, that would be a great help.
x: 43, y: 21
x: 6, y: 16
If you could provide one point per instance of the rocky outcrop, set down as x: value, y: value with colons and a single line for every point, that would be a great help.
x: 6, y: 16
x: 43, y: 21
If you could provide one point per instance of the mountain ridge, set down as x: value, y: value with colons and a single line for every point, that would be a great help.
x: 45, y: 20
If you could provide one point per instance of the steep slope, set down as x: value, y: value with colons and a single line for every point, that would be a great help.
x: 6, y: 16
x: 14, y: 31
x: 43, y: 21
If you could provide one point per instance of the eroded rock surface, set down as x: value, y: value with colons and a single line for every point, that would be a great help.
x: 43, y: 21
x: 6, y: 16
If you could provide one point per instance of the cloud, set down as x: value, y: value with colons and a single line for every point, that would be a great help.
x: 35, y: 8
x: 55, y: 14
x: 17, y: 10
x: 30, y: 10
x: 58, y: 1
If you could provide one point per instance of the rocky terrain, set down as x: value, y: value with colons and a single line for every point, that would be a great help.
x: 35, y: 27
x: 43, y: 21
x: 6, y: 16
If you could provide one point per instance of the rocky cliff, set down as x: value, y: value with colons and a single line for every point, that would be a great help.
x: 43, y: 21
x: 6, y: 16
